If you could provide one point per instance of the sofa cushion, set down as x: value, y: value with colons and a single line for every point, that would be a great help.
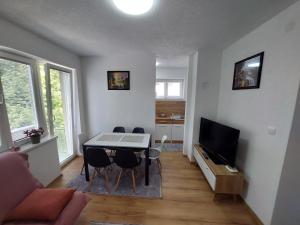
x: 15, y: 179
x: 41, y: 205
x: 68, y: 216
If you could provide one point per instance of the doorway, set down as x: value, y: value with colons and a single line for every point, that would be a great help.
x: 171, y: 77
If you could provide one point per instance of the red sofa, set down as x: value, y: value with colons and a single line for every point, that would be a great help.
x: 16, y: 182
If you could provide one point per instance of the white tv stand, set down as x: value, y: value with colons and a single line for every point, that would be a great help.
x: 219, y: 178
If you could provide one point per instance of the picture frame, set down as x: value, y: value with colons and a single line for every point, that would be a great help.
x: 247, y: 72
x: 118, y: 80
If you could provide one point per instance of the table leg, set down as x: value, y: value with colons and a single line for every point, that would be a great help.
x: 86, y: 166
x: 147, y: 167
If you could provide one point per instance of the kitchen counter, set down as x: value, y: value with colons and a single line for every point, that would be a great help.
x: 168, y: 120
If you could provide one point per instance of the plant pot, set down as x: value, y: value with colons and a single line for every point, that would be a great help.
x: 35, y: 139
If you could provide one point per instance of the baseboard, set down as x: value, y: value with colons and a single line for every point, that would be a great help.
x: 256, y: 218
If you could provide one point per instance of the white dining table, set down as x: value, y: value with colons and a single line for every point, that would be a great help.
x: 120, y: 141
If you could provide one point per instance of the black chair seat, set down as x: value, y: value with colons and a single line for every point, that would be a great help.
x: 97, y: 157
x: 126, y: 159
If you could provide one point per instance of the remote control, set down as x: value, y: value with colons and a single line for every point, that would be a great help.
x: 231, y: 169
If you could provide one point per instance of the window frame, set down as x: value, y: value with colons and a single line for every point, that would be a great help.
x: 37, y: 101
x: 166, y: 97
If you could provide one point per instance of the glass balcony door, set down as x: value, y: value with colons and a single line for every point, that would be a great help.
x: 59, y: 108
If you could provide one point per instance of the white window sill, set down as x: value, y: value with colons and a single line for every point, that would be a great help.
x: 29, y: 147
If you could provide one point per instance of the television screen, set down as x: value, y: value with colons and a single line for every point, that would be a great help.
x: 219, y: 141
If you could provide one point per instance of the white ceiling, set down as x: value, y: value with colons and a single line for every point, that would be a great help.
x: 172, y: 28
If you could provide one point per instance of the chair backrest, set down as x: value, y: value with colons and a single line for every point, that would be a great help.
x: 119, y: 130
x: 82, y: 138
x: 16, y: 181
x: 138, y: 130
x: 97, y: 157
x: 126, y: 159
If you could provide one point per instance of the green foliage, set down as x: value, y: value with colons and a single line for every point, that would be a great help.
x: 57, y: 101
x: 16, y: 83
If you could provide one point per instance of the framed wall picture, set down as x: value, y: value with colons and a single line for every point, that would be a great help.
x: 247, y: 72
x: 118, y: 80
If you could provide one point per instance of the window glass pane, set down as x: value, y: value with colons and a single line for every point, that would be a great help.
x: 160, y: 89
x: 174, y: 89
x: 18, y: 95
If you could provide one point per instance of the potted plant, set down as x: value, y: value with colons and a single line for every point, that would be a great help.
x: 34, y: 135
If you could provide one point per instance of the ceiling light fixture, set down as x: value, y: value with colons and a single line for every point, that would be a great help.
x: 134, y: 7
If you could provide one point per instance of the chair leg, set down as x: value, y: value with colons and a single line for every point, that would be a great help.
x: 92, y: 179
x: 106, y: 183
x: 118, y: 180
x: 82, y: 169
x: 159, y: 165
x: 133, y: 181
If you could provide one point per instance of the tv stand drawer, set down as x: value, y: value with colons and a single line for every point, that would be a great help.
x: 211, y: 178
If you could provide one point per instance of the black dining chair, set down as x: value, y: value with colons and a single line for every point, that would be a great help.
x: 119, y: 130
x: 97, y: 158
x: 128, y: 161
x: 138, y: 130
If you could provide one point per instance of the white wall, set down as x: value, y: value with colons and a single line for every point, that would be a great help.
x: 207, y: 90
x: 287, y: 206
x: 260, y: 155
x: 190, y: 105
x: 20, y: 39
x: 203, y: 93
x: 171, y: 73
x: 106, y: 109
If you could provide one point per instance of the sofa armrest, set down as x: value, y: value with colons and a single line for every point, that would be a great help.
x: 72, y: 211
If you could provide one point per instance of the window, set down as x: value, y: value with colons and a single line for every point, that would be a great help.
x: 169, y: 89
x: 18, y: 96
x: 19, y: 92
x: 35, y: 94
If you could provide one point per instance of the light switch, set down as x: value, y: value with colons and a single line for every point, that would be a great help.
x: 272, y: 130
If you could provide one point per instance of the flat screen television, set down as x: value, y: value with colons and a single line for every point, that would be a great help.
x: 219, y: 141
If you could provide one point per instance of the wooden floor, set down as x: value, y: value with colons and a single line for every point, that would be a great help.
x: 187, y: 199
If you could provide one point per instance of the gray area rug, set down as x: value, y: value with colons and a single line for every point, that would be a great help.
x: 125, y: 188
x: 168, y: 147
x: 99, y: 223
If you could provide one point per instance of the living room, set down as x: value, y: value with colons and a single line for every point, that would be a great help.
x: 75, y: 55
